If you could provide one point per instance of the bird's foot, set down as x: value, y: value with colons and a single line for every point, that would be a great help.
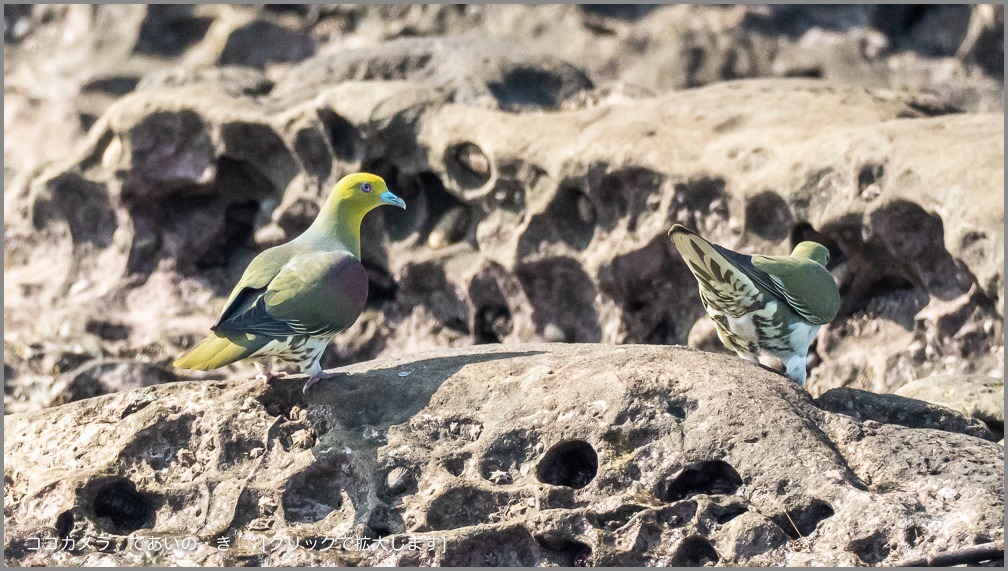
x: 316, y: 378
x: 267, y: 376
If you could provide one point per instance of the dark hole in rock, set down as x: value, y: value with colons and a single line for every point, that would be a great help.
x: 108, y: 330
x: 562, y: 297
x: 803, y: 521
x: 871, y: 549
x: 511, y: 546
x: 87, y: 120
x: 573, y: 216
x: 768, y: 216
x: 468, y: 165
x: 629, y: 12
x: 507, y: 194
x: 456, y: 465
x: 724, y: 514
x: 504, y: 457
x: 347, y: 144
x: 64, y: 524
x: 573, y: 463
x: 239, y: 222
x: 812, y: 72
x: 383, y: 522
x: 463, y: 506
x: 314, y: 493
x: 261, y: 42
x: 677, y: 409
x: 914, y: 534
x: 694, y: 551
x: 169, y: 30
x: 124, y: 508
x: 626, y: 193
x: 382, y: 287
x: 310, y: 147
x: 565, y: 551
x: 869, y: 175
x: 707, y: 477
x: 114, y: 85
x: 446, y: 218
x: 493, y: 324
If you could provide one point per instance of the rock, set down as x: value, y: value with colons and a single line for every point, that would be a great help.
x: 521, y: 454
x: 894, y: 409
x: 975, y: 396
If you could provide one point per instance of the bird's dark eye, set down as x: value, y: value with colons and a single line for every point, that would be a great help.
x: 366, y: 187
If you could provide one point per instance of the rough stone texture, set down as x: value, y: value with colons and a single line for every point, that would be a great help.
x: 509, y: 455
x: 975, y: 396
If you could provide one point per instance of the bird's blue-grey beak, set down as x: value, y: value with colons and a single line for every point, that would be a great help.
x: 388, y: 198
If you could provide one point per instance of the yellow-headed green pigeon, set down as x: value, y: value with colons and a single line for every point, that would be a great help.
x: 294, y: 297
x: 759, y: 303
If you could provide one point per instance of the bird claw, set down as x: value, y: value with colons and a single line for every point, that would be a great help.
x: 316, y: 378
x: 267, y: 377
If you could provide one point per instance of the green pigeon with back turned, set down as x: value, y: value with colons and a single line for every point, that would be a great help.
x: 774, y: 304
x: 294, y: 297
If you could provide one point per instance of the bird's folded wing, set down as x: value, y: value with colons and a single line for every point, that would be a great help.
x: 318, y: 294
x: 807, y: 286
x: 721, y: 283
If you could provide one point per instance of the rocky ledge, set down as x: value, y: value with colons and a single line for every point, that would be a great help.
x: 524, y: 454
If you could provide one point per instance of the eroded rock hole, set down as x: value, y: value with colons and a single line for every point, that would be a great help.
x: 169, y: 30
x: 694, y: 551
x: 64, y: 523
x: 314, y: 493
x: 871, y: 549
x: 122, y: 508
x: 573, y: 215
x: 565, y: 551
x: 768, y: 216
x: 573, y: 463
x: 631, y: 192
x: 239, y: 223
x: 804, y: 520
x: 462, y: 507
x: 310, y: 147
x: 869, y: 175
x: 448, y: 219
x: 708, y: 477
x: 493, y: 324
x: 697, y: 200
x: 382, y: 287
x: 468, y: 165
x: 563, y: 299
x: 347, y: 144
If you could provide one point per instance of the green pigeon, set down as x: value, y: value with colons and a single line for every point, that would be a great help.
x: 760, y: 303
x: 293, y: 298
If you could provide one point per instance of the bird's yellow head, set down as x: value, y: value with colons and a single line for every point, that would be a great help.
x: 359, y: 193
x: 353, y: 196
x: 813, y: 251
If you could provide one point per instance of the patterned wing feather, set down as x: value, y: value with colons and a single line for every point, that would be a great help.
x: 722, y: 284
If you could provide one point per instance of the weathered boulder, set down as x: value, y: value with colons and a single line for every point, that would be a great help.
x: 975, y: 396
x: 504, y: 454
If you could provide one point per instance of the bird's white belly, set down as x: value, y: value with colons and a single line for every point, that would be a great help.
x: 801, y: 336
x: 296, y: 350
x: 744, y: 327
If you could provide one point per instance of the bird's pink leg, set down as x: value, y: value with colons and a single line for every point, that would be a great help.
x: 266, y: 373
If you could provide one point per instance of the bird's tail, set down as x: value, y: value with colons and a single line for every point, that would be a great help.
x: 219, y: 349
